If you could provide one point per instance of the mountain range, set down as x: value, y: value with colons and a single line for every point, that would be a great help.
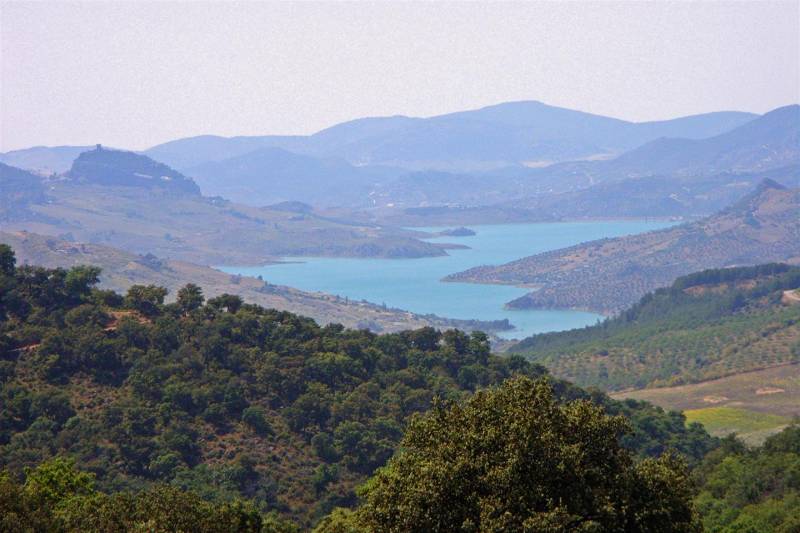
x: 508, y: 156
x: 495, y: 136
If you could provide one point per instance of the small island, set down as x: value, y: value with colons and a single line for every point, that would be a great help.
x: 457, y: 232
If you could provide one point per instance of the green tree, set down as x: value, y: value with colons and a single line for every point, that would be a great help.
x: 514, y: 459
x: 190, y: 297
x: 7, y: 260
x: 146, y: 299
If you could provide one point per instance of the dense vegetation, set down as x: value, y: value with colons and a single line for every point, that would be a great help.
x: 514, y: 459
x: 56, y: 496
x: 230, y: 400
x: 705, y: 325
x: 751, y: 491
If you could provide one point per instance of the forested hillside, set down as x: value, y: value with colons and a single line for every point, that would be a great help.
x: 706, y: 325
x: 232, y: 400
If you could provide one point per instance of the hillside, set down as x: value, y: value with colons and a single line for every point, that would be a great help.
x: 767, y: 142
x: 772, y: 140
x: 753, y: 404
x: 123, y: 200
x: 233, y: 400
x: 704, y: 326
x: 18, y: 190
x: 654, y: 196
x: 102, y: 166
x: 121, y: 270
x: 611, y: 274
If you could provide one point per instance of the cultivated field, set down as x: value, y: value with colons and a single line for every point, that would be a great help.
x: 752, y: 404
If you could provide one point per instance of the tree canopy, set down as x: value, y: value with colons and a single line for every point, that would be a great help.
x: 514, y: 458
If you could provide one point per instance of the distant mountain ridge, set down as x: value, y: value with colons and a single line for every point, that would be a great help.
x: 509, y: 156
x: 44, y: 159
x: 609, y: 275
x: 18, y: 189
x: 269, y: 175
x: 490, y: 137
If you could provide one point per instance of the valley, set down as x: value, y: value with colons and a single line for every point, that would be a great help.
x: 415, y: 284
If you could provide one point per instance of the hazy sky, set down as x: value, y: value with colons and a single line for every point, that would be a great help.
x: 136, y: 74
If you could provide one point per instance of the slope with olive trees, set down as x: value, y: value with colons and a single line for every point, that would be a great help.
x: 609, y: 275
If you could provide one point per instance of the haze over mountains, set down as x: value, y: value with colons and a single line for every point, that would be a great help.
x: 495, y: 136
x: 495, y: 155
x: 346, y: 190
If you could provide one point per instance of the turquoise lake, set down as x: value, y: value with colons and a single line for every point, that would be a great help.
x: 414, y: 284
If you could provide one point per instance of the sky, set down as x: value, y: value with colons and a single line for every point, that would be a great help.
x: 132, y: 75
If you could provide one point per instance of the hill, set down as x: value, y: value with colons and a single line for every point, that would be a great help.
x: 654, y: 196
x: 770, y: 141
x: 121, y: 270
x: 45, y: 160
x: 233, y: 400
x: 767, y: 142
x: 610, y: 274
x: 704, y: 326
x: 18, y: 190
x: 119, y: 168
x: 122, y: 200
x: 753, y: 404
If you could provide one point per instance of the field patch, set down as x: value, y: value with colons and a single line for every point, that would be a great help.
x: 752, y: 404
x: 751, y: 426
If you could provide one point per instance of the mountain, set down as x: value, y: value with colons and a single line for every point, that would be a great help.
x: 610, y: 274
x: 770, y: 141
x: 105, y: 167
x: 654, y: 196
x: 704, y: 326
x: 193, y: 151
x: 44, y: 159
x: 767, y: 142
x: 270, y: 175
x: 18, y: 189
x: 512, y: 133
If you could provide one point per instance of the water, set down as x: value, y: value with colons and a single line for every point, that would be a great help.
x: 414, y: 284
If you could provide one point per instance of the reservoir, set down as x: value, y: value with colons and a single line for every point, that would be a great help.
x: 415, y: 284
